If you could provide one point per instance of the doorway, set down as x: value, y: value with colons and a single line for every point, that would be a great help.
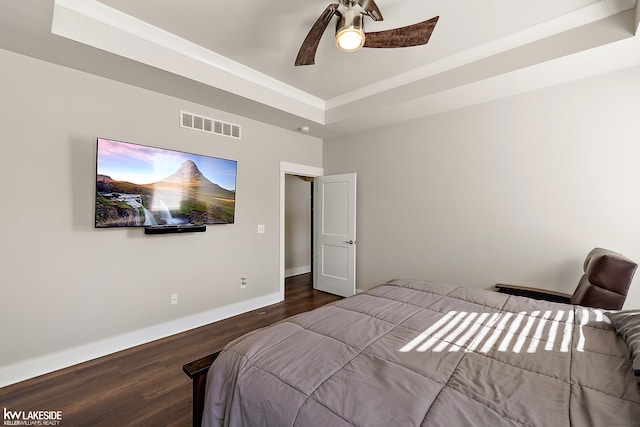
x: 333, y: 253
x: 298, y: 231
x: 299, y: 171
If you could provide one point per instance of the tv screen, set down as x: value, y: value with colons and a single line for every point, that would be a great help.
x: 139, y: 186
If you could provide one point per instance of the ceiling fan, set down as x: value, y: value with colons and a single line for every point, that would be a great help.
x: 350, y: 35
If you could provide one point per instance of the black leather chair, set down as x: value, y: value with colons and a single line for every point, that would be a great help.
x: 604, y: 284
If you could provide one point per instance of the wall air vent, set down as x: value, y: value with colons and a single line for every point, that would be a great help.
x: 206, y: 124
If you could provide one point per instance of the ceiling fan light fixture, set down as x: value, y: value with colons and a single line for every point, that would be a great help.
x: 350, y: 31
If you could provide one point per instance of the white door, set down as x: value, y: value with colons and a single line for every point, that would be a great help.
x: 335, y: 234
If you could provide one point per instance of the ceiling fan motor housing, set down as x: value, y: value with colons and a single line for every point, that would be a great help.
x: 350, y: 31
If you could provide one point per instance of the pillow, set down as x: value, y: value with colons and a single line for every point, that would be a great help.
x: 627, y: 324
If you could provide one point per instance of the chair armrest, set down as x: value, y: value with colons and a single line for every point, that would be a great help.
x: 536, y: 293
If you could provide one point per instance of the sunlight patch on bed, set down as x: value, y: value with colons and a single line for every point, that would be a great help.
x: 506, y: 332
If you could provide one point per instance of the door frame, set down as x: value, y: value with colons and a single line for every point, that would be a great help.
x: 291, y: 169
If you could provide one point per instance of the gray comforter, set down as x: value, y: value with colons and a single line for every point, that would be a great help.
x: 410, y: 353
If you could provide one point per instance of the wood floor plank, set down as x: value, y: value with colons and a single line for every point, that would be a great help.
x: 145, y: 385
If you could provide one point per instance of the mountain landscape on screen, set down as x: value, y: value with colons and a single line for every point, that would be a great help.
x: 185, y: 197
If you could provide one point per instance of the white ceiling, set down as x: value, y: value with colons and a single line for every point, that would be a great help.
x: 266, y: 37
x: 239, y: 57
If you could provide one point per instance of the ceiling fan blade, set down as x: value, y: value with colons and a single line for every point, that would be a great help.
x: 411, y: 35
x: 371, y: 8
x: 307, y: 52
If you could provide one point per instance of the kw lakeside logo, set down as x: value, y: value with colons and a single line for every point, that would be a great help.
x: 32, y: 418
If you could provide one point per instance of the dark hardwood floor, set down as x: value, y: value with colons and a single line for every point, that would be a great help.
x: 145, y: 385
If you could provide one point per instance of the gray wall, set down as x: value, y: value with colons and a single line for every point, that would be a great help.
x: 512, y: 191
x: 67, y: 287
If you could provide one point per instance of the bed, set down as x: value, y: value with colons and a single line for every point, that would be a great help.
x: 412, y: 352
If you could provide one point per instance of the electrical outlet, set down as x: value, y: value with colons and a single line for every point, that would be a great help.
x: 243, y: 282
x: 174, y: 298
x: 261, y: 228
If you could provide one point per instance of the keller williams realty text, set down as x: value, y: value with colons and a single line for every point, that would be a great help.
x: 32, y: 418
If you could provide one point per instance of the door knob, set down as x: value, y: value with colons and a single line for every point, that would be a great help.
x: 349, y: 242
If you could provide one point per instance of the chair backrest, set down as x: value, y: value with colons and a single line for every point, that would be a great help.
x: 606, y: 280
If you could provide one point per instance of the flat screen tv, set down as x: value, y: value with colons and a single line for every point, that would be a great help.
x: 138, y: 186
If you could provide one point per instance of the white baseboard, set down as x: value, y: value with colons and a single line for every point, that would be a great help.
x: 63, y: 359
x: 294, y: 271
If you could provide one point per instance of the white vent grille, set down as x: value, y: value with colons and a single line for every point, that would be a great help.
x: 206, y: 124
